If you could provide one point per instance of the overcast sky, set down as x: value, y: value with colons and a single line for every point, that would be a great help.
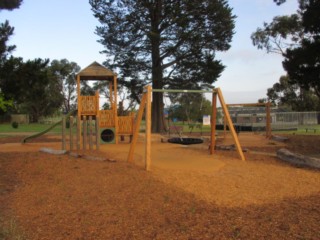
x: 58, y: 29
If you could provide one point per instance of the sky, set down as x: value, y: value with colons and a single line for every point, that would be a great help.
x: 58, y: 29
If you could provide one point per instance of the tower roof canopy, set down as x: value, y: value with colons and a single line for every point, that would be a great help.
x: 96, y: 71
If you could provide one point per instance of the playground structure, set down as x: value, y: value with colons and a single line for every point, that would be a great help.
x: 110, y: 125
x: 146, y: 105
x: 106, y: 126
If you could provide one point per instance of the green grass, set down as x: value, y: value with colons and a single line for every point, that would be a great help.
x: 32, y: 127
x: 37, y: 127
x: 302, y: 130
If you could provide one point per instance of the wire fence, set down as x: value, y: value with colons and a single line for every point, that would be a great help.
x: 294, y: 119
x: 255, y: 119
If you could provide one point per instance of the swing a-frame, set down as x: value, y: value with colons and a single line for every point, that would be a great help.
x: 146, y: 105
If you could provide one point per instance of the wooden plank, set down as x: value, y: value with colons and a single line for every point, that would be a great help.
x: 78, y: 95
x: 106, y: 118
x: 97, y: 103
x: 125, y: 125
x: 230, y: 124
x: 110, y: 95
x: 182, y: 90
x: 115, y: 109
x: 137, y: 128
x: 213, y: 122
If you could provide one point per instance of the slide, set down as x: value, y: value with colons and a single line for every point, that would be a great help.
x: 46, y: 130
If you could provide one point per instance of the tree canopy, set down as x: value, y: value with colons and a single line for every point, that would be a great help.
x: 297, y: 38
x: 31, y: 86
x: 171, y: 44
x: 65, y: 74
x: 188, y: 107
x: 5, y: 32
x: 291, y: 96
x: 10, y: 4
x: 34, y: 86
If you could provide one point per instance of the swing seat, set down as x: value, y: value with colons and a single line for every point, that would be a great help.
x: 185, y: 141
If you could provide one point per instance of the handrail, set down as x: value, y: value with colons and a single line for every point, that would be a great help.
x: 46, y: 130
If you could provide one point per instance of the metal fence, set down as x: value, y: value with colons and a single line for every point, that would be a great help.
x: 294, y: 119
x: 256, y: 118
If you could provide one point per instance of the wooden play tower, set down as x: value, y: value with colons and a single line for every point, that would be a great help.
x: 111, y: 125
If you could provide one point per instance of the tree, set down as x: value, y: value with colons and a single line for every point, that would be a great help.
x: 279, y: 2
x: 171, y: 44
x: 125, y: 105
x: 5, y: 29
x: 292, y: 96
x: 32, y: 87
x: 297, y: 39
x: 5, y: 32
x: 303, y: 63
x: 10, y: 4
x: 189, y: 107
x: 65, y: 72
x: 4, y: 104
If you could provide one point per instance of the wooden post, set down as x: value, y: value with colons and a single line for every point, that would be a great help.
x: 78, y: 95
x: 213, y: 122
x: 97, y: 102
x: 63, y: 133
x: 230, y: 124
x: 97, y: 133
x: 111, y: 95
x: 70, y: 132
x: 224, y: 125
x: 115, y: 109
x: 90, y: 133
x: 136, y: 128
x: 78, y: 135
x: 84, y: 132
x: 148, y: 129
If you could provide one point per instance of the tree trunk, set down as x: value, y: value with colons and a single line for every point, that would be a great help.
x: 157, y: 101
x: 157, y: 115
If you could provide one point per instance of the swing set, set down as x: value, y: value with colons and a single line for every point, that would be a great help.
x: 178, y: 129
x: 145, y: 105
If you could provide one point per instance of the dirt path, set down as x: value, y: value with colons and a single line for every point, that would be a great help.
x: 187, y: 195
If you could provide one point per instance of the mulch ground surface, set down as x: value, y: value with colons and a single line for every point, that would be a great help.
x: 44, y: 196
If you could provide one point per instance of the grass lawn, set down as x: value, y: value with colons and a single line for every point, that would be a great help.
x: 303, y: 130
x: 32, y: 127
x: 37, y: 127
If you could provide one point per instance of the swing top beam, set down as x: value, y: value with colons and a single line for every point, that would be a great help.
x: 183, y: 90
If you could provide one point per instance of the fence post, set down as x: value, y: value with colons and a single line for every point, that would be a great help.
x: 70, y: 132
x: 63, y: 133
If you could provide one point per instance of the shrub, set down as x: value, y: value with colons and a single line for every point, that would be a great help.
x: 15, y: 124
